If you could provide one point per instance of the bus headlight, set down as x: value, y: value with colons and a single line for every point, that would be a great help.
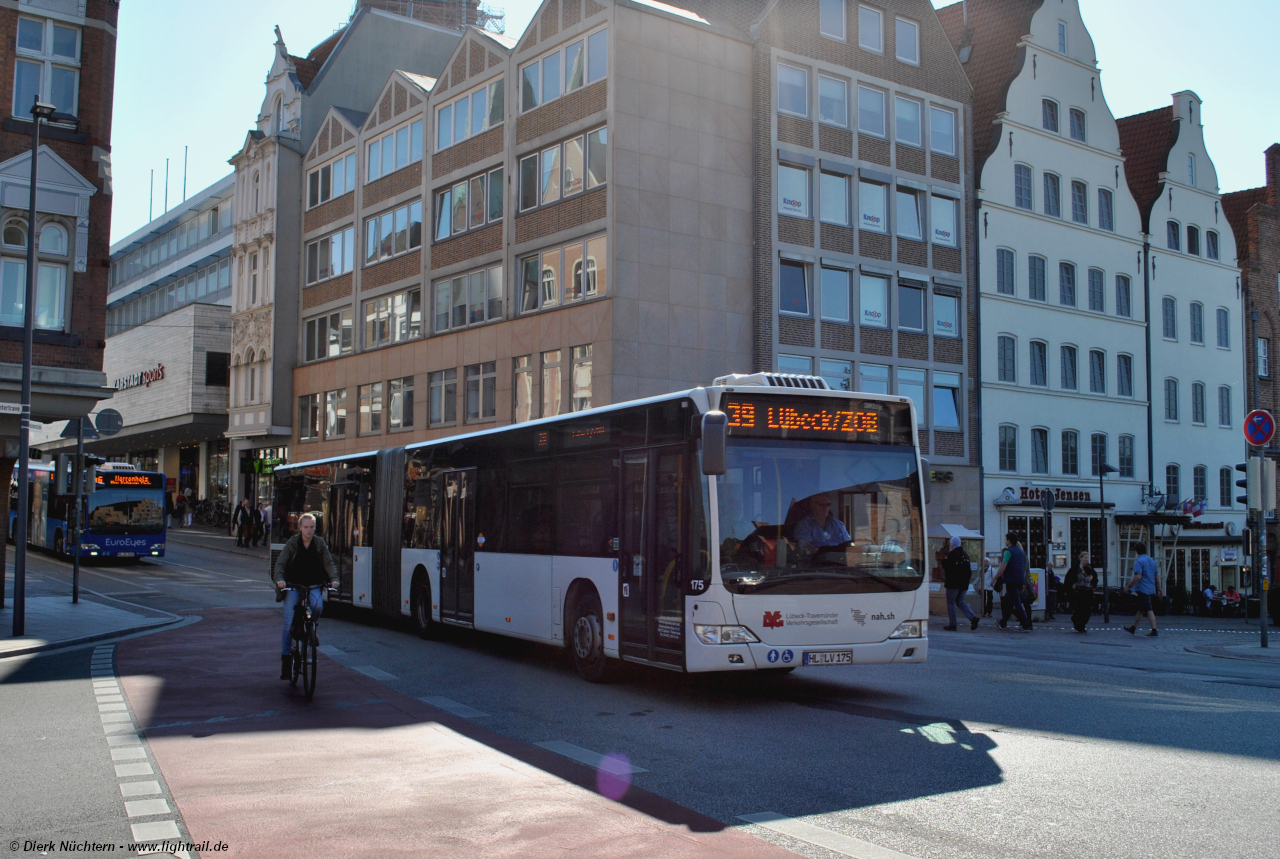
x: 910, y: 629
x: 709, y: 634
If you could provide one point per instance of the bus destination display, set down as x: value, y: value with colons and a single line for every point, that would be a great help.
x: 130, y: 478
x: 816, y: 419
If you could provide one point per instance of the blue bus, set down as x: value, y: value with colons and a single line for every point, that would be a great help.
x: 124, y: 517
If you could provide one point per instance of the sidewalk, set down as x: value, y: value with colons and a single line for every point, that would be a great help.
x: 52, y: 620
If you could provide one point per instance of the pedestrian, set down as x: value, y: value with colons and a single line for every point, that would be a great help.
x: 1050, y: 594
x: 1012, y: 577
x: 1079, y: 582
x: 255, y: 524
x: 190, y: 511
x: 168, y: 508
x: 240, y: 523
x: 957, y: 570
x: 266, y: 525
x: 988, y: 586
x: 1144, y: 585
x: 180, y: 507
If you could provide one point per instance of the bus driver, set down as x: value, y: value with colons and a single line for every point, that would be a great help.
x: 820, y: 529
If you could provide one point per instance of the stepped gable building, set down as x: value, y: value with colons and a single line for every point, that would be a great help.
x: 348, y: 68
x: 1254, y: 215
x: 598, y: 217
x: 1064, y: 365
x: 64, y: 52
x: 1195, y: 344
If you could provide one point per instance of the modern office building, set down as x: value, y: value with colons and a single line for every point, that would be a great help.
x: 63, y: 53
x: 169, y: 345
x: 634, y: 198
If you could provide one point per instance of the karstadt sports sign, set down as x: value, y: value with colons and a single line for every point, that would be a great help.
x: 141, y: 379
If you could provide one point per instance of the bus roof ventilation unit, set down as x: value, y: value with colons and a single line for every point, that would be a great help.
x: 117, y: 466
x: 773, y: 380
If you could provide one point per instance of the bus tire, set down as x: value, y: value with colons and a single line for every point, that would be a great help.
x: 586, y: 643
x: 420, y: 606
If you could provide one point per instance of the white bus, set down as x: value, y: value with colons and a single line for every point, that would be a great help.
x: 692, y: 531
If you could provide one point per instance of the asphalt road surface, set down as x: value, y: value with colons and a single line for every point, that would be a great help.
x: 1003, y: 744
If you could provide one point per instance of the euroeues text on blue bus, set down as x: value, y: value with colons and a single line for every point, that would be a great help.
x: 765, y: 522
x: 124, y: 517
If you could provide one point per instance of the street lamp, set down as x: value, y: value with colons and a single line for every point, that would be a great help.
x: 39, y: 113
x: 1103, y: 471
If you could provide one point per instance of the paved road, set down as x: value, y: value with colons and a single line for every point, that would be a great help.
x: 1003, y: 744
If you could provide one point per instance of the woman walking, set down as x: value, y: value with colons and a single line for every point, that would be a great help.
x: 1080, y: 579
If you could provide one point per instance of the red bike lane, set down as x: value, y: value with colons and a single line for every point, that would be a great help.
x: 364, y: 770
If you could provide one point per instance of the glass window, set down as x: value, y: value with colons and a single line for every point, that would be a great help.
x: 793, y: 292
x: 597, y: 155
x: 1039, y: 364
x: 1052, y: 196
x: 1169, y: 315
x: 1097, y: 453
x: 797, y: 365
x: 1262, y: 348
x: 831, y: 19
x: 911, y: 384
x: 529, y: 182
x: 1097, y: 372
x: 1008, y: 448
x: 1224, y: 406
x: 839, y: 374
x: 597, y: 55
x: 835, y: 294
x: 1197, y: 403
x: 942, y: 212
x: 1097, y: 291
x: 444, y: 129
x: 793, y: 191
x: 496, y: 194
x: 497, y: 102
x: 946, y: 315
x: 551, y: 80
x: 522, y: 395
x: 1171, y: 399
x: 400, y: 403
x: 1211, y: 244
x: 335, y: 413
x: 1062, y: 37
x: 946, y: 400
x: 873, y: 300
x: 1173, y: 235
x: 1077, y: 125
x: 870, y: 29
x: 1022, y: 186
x: 873, y: 215
x: 481, y: 391
x: 444, y: 217
x: 871, y: 110
x: 909, y: 215
x: 1224, y: 487
x: 1049, y: 115
x: 1070, y: 452
x: 1172, y: 482
x: 1079, y: 203
x: 1197, y: 323
x: 580, y: 379
x: 942, y: 131
x: 1006, y: 359
x: 442, y: 393
x: 574, y: 178
x: 573, y: 69
x: 1191, y: 169
x: 1039, y: 451
x: 370, y: 418
x: 530, y: 89
x: 907, y: 121
x: 1066, y: 284
x: 793, y: 90
x: 873, y: 378
x: 833, y: 198
x: 1123, y: 306
x: 1004, y: 272
x: 308, y: 416
x: 1124, y: 375
x: 910, y: 308
x: 1067, y: 358
x: 908, y: 41
x: 1106, y: 215
x: 833, y: 101
x: 1125, y: 456
x: 1193, y: 241
x: 1224, y: 328
x: 550, y: 187
x: 479, y: 205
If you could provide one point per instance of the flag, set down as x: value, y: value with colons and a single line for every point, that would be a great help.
x: 1198, y: 509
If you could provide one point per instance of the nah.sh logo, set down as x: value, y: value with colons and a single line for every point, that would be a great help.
x: 773, y: 620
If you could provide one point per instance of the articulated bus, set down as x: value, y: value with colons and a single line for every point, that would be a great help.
x: 692, y: 531
x: 124, y: 516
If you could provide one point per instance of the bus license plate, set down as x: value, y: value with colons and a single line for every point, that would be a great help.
x: 126, y: 554
x: 828, y: 657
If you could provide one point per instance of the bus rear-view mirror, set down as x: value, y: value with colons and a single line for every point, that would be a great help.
x: 715, y: 434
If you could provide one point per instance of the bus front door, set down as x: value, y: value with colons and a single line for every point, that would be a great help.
x: 651, y: 561
x: 457, y: 546
x: 344, y: 500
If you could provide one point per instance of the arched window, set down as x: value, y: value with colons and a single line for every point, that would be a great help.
x: 250, y: 378
x: 1039, y: 363
x: 1008, y: 448
x: 1097, y: 452
x: 1049, y: 115
x: 1193, y: 241
x: 1039, y: 451
x: 1173, y: 235
x: 277, y: 117
x: 1197, y: 323
x: 1070, y: 452
x: 1225, y: 486
x: 1172, y: 482
x: 1200, y: 483
x: 1197, y: 402
x: 1171, y: 399
x: 53, y: 240
x: 15, y: 234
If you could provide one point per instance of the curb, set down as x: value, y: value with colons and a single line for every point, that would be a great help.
x: 159, y: 623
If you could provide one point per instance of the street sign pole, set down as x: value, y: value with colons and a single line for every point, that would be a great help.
x: 1046, y: 504
x: 1259, y: 427
x: 75, y: 525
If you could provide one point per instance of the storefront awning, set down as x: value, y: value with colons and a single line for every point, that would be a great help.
x: 170, y: 432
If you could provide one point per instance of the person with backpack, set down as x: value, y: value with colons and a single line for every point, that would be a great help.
x: 1013, y: 577
x: 956, y: 573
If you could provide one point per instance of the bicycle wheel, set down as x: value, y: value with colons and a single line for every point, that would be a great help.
x: 295, y: 652
x: 310, y: 660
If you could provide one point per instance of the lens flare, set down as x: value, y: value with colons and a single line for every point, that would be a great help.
x: 613, y: 778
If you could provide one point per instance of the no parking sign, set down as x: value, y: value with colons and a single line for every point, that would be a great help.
x: 1259, y: 427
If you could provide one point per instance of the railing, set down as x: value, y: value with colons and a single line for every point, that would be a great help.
x: 454, y: 14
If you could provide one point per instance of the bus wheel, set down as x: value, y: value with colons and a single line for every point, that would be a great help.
x: 420, y: 608
x: 588, y: 639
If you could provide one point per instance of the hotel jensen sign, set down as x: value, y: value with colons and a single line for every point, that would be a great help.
x: 140, y: 379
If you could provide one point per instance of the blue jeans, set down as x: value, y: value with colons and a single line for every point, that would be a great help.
x: 315, y: 595
x: 955, y: 597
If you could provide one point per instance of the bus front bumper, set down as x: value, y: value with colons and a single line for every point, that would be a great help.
x: 749, y: 657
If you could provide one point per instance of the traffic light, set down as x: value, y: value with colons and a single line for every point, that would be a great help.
x: 63, y: 471
x: 1259, y: 484
x: 91, y: 479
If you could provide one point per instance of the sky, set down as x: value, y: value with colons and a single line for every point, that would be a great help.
x: 191, y: 75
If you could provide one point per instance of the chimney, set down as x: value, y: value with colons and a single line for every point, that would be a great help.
x: 1273, y: 173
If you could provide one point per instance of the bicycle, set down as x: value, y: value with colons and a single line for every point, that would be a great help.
x: 305, y: 641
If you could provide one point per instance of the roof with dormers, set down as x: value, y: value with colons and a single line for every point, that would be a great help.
x: 1145, y: 141
x: 995, y: 27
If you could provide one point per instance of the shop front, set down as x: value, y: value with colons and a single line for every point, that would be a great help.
x: 257, y: 470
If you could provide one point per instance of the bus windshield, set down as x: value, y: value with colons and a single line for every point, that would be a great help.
x: 121, y: 510
x: 820, y: 518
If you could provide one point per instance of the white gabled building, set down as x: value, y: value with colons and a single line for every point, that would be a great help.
x: 1063, y: 320
x: 1196, y: 342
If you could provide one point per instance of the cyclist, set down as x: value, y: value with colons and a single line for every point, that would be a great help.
x: 306, y: 562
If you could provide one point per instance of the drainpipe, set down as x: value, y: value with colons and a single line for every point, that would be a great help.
x: 1146, y: 289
